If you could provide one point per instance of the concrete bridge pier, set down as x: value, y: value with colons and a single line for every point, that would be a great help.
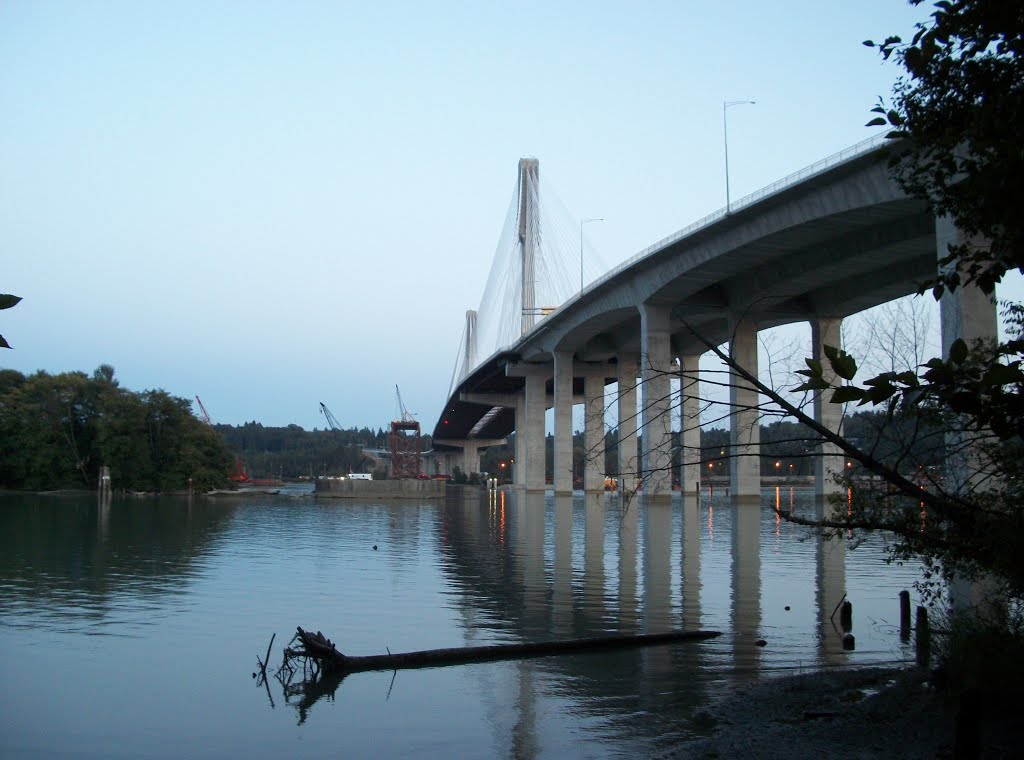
x: 967, y: 314
x: 656, y: 390
x: 519, y: 466
x: 563, y: 469
x: 744, y: 432
x: 536, y: 406
x: 827, y: 332
x: 470, y: 457
x: 628, y: 371
x: 593, y: 433
x: 689, y: 390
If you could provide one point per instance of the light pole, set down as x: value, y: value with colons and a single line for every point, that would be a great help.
x: 582, y: 222
x: 726, y: 105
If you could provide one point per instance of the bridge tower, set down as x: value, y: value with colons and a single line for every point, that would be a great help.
x: 469, y: 357
x: 529, y: 236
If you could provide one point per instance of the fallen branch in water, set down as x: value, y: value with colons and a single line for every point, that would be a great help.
x: 319, y: 653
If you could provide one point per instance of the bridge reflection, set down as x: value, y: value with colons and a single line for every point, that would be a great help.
x: 568, y: 567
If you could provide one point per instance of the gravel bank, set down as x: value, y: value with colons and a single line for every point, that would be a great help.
x: 866, y: 713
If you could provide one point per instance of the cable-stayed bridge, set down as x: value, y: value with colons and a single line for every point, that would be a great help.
x: 822, y: 244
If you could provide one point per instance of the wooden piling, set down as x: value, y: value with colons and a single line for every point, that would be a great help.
x: 905, y: 615
x: 846, y: 616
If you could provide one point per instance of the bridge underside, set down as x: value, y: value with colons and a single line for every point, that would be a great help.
x: 838, y: 243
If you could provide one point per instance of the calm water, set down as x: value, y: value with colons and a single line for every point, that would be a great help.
x: 132, y: 630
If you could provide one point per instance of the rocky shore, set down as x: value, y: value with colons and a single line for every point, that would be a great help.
x: 864, y: 713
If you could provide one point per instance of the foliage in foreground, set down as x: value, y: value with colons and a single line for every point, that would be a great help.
x: 56, y: 431
x: 6, y: 302
x: 957, y: 112
x: 956, y: 115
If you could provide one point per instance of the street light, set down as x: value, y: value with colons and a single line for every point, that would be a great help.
x: 582, y: 222
x: 725, y: 135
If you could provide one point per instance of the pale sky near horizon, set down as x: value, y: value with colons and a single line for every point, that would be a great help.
x: 276, y: 204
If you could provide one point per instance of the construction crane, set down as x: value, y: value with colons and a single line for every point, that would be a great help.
x: 332, y: 421
x: 202, y: 412
x: 239, y: 473
x: 401, y: 413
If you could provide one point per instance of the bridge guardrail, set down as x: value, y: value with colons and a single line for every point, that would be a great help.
x: 846, y: 154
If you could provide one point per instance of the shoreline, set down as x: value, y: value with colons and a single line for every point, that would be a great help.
x: 841, y: 713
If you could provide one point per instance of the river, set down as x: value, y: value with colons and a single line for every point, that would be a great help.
x: 132, y: 629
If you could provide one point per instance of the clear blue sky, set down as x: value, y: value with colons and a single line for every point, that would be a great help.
x: 275, y: 204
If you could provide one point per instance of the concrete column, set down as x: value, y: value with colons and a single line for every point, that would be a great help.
x: 827, y: 332
x: 536, y: 405
x: 629, y: 464
x: 689, y: 390
x: 562, y: 475
x: 967, y: 314
x: 655, y: 417
x: 593, y: 435
x: 519, y: 466
x: 970, y: 315
x: 470, y: 457
x: 745, y: 432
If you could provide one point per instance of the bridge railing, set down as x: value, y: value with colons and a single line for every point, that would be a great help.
x: 847, y: 154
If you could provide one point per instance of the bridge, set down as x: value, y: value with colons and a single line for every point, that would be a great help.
x: 818, y: 246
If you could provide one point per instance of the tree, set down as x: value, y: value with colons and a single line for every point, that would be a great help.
x: 57, y: 430
x: 6, y: 302
x: 956, y: 114
x: 959, y: 106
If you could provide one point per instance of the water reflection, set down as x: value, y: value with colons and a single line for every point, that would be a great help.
x: 691, y: 584
x: 629, y: 603
x: 69, y: 558
x: 746, y: 585
x: 562, y: 598
x: 830, y: 588
x: 501, y: 567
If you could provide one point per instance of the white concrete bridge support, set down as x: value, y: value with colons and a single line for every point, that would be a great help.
x: 968, y: 314
x: 745, y: 432
x: 536, y: 405
x: 470, y: 457
x: 656, y: 390
x: 563, y: 468
x: 593, y: 433
x: 830, y: 461
x: 689, y: 390
x: 519, y: 466
x: 628, y: 371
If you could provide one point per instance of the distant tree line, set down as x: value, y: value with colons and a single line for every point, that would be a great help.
x: 57, y: 431
x: 899, y: 442
x: 293, y: 452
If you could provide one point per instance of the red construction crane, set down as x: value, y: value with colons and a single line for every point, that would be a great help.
x: 239, y: 473
x: 202, y: 412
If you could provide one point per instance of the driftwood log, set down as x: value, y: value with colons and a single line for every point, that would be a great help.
x: 321, y: 650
